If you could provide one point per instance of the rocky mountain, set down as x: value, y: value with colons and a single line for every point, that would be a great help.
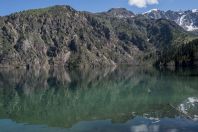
x: 119, y: 13
x: 62, y: 36
x: 186, y: 19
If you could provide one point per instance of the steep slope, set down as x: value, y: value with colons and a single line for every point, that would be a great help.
x: 60, y: 35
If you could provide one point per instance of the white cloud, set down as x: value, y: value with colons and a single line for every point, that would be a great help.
x: 143, y: 3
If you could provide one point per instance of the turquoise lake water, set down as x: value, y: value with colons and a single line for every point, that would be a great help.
x: 128, y: 99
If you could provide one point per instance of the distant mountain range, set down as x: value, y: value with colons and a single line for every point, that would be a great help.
x: 62, y: 36
x: 186, y: 19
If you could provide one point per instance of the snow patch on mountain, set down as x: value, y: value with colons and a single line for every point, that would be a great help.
x: 123, y: 16
x: 188, y: 27
x: 194, y: 10
x: 181, y: 20
x: 191, y: 27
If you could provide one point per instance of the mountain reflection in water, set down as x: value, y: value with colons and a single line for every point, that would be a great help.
x: 114, y: 99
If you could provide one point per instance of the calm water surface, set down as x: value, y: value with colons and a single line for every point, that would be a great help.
x: 99, y: 100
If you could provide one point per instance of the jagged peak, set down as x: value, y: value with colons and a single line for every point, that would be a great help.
x: 181, y: 12
x: 120, y: 12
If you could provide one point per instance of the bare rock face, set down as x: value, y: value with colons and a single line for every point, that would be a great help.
x: 62, y: 36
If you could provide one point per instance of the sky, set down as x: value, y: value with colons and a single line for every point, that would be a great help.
x: 137, y: 6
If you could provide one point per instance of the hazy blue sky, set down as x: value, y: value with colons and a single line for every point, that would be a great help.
x: 10, y: 6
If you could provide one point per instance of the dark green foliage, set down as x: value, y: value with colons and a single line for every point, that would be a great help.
x: 52, y: 52
x: 182, y: 55
x: 73, y: 46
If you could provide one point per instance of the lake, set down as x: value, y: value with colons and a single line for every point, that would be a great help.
x: 127, y: 99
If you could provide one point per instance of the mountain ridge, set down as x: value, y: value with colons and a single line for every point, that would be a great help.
x: 62, y: 36
x: 189, y: 24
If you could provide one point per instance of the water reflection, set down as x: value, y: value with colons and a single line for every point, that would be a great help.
x: 119, y: 97
x: 189, y: 107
